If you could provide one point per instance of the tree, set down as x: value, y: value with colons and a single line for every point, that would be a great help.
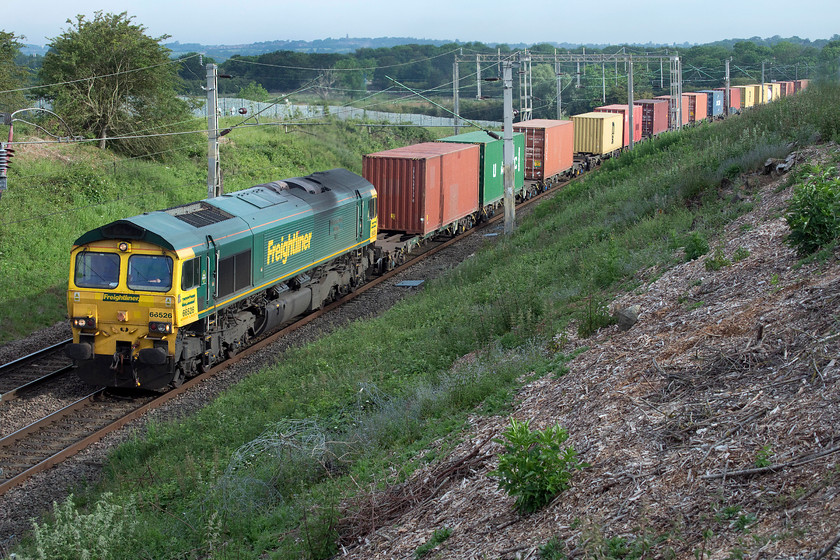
x: 12, y: 76
x: 107, y: 78
x: 254, y: 92
x: 829, y: 59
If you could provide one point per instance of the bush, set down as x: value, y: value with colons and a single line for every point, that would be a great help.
x: 717, y: 261
x: 594, y: 317
x: 104, y: 533
x: 438, y: 537
x: 695, y: 246
x: 814, y: 212
x: 534, y: 468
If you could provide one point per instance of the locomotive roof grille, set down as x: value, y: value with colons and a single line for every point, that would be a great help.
x: 199, y: 214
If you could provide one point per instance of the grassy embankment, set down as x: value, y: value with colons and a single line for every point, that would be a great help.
x: 58, y: 192
x: 264, y: 469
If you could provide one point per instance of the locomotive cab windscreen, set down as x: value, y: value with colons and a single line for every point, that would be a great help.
x: 150, y: 272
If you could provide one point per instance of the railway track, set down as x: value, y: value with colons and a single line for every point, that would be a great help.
x: 52, y: 439
x: 33, y: 370
x: 61, y: 434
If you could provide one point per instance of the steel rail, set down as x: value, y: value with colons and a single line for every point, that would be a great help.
x: 29, y: 359
x: 34, y: 355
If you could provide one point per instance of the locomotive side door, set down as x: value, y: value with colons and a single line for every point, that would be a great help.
x: 360, y: 217
x: 208, y: 272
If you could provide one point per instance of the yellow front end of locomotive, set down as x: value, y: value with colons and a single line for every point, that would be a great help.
x: 124, y: 303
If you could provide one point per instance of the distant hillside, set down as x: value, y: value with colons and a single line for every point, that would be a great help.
x: 346, y: 45
x: 775, y: 39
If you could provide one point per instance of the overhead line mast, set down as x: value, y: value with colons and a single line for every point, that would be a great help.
x: 528, y: 58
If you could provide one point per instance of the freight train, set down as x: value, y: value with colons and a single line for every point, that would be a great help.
x: 157, y: 298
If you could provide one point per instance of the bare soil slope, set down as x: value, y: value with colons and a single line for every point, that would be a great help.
x: 726, y: 371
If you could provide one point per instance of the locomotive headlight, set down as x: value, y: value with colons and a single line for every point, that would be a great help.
x: 124, y: 247
x: 159, y: 327
x: 83, y: 322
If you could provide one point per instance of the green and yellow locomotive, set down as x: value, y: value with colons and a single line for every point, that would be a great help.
x: 162, y: 296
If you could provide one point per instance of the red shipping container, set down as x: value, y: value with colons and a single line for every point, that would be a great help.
x: 424, y: 187
x: 734, y: 98
x: 637, y: 120
x: 799, y: 85
x: 787, y: 88
x: 698, y: 106
x: 549, y: 147
x: 684, y: 109
x: 654, y: 116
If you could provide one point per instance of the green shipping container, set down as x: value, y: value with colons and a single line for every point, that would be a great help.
x: 491, y: 184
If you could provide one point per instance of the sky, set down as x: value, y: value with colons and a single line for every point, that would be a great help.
x: 217, y: 22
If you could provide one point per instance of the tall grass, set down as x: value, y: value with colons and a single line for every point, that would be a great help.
x: 382, y: 391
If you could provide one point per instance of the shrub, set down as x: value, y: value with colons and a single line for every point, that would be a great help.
x: 814, y: 212
x: 595, y: 316
x: 695, y: 246
x: 740, y: 254
x: 553, y: 549
x: 534, y: 467
x: 717, y: 261
x: 101, y: 534
x: 438, y: 537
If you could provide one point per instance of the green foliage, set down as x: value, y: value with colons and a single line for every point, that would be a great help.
x: 439, y: 536
x: 734, y: 518
x: 695, y: 246
x: 596, y: 315
x: 115, y: 103
x: 764, y: 456
x: 553, y: 549
x: 101, y: 534
x: 254, y: 92
x: 813, y: 213
x: 12, y: 76
x: 534, y: 467
x: 717, y: 261
x: 740, y: 254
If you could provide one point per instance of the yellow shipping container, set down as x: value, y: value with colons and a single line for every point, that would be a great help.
x: 747, y: 96
x: 757, y: 95
x: 772, y: 92
x: 598, y: 133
